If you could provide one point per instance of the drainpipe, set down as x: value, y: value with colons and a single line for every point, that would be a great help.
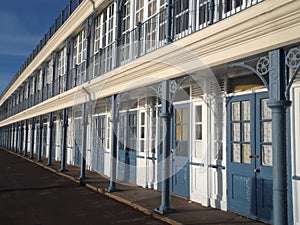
x: 165, y: 115
x: 32, y: 138
x: 279, y: 104
x: 64, y: 141
x: 39, y: 159
x: 51, y: 125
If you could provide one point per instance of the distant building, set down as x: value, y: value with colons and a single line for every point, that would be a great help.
x: 97, y: 55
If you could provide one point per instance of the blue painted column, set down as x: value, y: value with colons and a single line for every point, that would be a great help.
x: 51, y: 125
x: 169, y: 35
x: 279, y: 104
x: 26, y: 138
x: 114, y: 115
x: 64, y: 141
x: 32, y: 138
x: 165, y: 116
x: 21, y: 138
x: 39, y: 159
x: 83, y: 138
x: 17, y: 139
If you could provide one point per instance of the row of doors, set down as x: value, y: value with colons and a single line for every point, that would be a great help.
x: 249, y: 151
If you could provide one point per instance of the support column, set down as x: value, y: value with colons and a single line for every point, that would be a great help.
x: 279, y: 104
x: 26, y: 138
x: 17, y: 139
x: 32, y: 138
x: 39, y: 159
x: 84, y: 137
x: 64, y: 141
x: 169, y: 35
x: 114, y: 115
x: 51, y: 125
x: 165, y: 115
x: 21, y: 138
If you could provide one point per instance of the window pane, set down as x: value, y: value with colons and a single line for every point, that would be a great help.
x: 185, y: 132
x: 235, y: 111
x: 266, y: 132
x: 246, y: 153
x: 236, y: 132
x: 178, y: 133
x: 198, y: 132
x: 236, y: 153
x: 246, y: 110
x: 266, y: 112
x: 267, y: 155
x: 246, y: 132
x: 198, y: 113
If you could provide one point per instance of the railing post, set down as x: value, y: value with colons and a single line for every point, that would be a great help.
x: 51, y: 125
x: 139, y: 30
x: 279, y: 104
x: 64, y: 141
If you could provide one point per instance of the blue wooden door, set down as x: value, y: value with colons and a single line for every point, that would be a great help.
x: 249, y: 154
x: 127, y: 147
x: 101, y: 131
x: 181, y: 146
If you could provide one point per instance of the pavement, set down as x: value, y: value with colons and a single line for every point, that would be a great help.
x: 145, y: 200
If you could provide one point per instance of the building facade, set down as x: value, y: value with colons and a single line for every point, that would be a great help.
x: 169, y: 94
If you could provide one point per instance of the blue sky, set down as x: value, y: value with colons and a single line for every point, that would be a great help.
x: 22, y: 26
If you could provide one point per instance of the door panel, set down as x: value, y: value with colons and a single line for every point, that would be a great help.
x: 127, y: 147
x: 249, y: 152
x: 180, y: 165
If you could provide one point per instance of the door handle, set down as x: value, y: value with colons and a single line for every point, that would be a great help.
x: 253, y: 156
x: 256, y: 170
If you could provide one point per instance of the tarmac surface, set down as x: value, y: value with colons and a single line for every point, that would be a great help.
x: 31, y: 195
x: 40, y: 197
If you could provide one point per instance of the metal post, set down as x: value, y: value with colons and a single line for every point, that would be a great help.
x: 51, y: 125
x: 32, y: 138
x: 114, y: 115
x: 21, y: 138
x: 279, y: 104
x: 169, y: 36
x: 165, y: 115
x: 26, y: 138
x: 84, y: 137
x: 64, y: 141
x: 17, y: 138
x: 13, y: 138
x: 39, y: 159
x: 118, y: 29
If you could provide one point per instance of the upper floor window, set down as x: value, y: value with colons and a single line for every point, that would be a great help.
x: 40, y: 80
x: 79, y: 48
x: 104, y: 28
x: 49, y: 72
x: 139, y: 11
x: 62, y: 62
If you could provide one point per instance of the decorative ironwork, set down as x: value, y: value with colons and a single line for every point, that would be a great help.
x: 293, y: 58
x: 173, y: 86
x: 262, y: 65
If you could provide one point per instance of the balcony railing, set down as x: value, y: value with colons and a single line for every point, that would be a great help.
x: 143, y: 39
